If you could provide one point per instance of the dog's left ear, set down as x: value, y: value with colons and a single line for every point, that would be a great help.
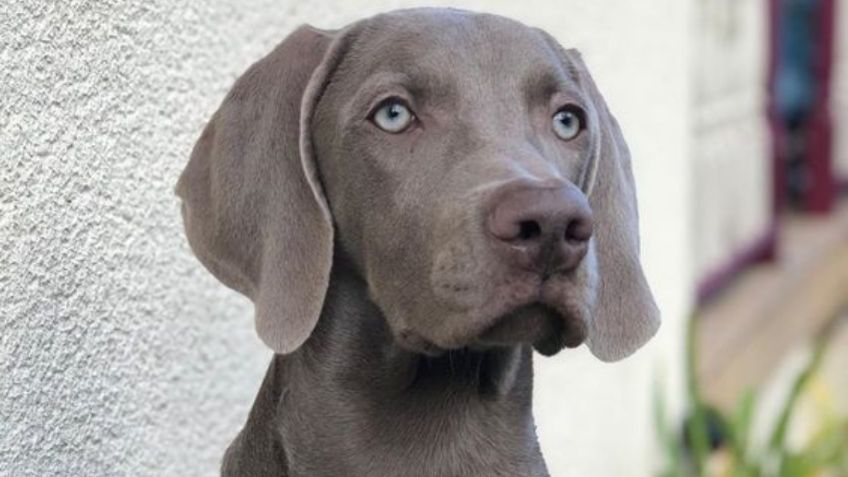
x: 253, y: 206
x: 625, y: 316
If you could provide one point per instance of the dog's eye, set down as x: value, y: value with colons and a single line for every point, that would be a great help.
x: 568, y: 122
x: 392, y: 116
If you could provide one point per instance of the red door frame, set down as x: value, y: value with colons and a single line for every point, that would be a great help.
x: 820, y: 198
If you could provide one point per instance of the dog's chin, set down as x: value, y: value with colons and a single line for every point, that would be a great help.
x: 538, y: 324
x: 553, y: 319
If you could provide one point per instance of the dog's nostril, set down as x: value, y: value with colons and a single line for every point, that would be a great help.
x: 578, y: 230
x: 529, y: 229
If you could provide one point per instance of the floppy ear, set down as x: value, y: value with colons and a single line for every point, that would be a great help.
x: 626, y: 316
x: 253, y: 207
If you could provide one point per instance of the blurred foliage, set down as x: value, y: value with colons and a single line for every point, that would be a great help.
x: 718, y: 444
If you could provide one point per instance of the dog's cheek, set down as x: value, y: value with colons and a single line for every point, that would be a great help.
x: 397, y: 280
x: 452, y: 277
x: 465, y: 273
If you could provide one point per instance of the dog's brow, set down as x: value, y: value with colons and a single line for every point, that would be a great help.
x: 542, y: 83
x: 428, y: 85
x: 424, y: 85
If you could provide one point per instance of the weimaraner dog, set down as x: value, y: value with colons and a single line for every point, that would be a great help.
x: 414, y: 203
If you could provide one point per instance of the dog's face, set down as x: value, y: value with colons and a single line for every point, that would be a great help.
x: 466, y: 166
x: 422, y: 150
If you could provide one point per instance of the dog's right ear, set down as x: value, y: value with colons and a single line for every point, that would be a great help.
x: 254, y: 210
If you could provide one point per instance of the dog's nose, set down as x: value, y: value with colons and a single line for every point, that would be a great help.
x: 544, y: 229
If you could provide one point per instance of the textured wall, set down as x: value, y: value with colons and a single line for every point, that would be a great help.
x: 120, y: 355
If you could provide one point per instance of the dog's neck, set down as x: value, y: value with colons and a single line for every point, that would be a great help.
x: 351, y: 402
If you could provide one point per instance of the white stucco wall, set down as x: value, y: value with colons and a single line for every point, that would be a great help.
x: 120, y: 354
x: 731, y: 151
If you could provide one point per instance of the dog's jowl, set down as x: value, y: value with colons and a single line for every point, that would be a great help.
x: 415, y: 203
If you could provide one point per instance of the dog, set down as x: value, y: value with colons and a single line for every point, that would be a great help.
x: 414, y: 203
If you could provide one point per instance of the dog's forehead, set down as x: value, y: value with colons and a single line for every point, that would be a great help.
x: 452, y: 40
x: 431, y: 24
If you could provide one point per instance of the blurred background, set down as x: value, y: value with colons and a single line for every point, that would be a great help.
x: 121, y: 355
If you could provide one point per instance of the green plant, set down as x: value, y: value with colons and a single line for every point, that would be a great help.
x: 688, y: 453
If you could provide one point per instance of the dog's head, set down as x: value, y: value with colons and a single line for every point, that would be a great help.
x: 464, y: 163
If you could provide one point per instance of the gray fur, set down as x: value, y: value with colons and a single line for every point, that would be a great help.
x: 403, y: 336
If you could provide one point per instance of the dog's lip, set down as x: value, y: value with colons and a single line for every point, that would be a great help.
x: 547, y: 327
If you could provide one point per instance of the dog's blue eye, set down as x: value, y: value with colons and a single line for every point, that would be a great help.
x: 393, y: 116
x: 568, y: 122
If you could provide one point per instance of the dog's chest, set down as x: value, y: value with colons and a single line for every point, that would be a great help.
x: 445, y: 442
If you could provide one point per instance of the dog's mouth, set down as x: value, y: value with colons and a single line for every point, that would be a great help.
x: 544, y: 326
x: 539, y: 324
